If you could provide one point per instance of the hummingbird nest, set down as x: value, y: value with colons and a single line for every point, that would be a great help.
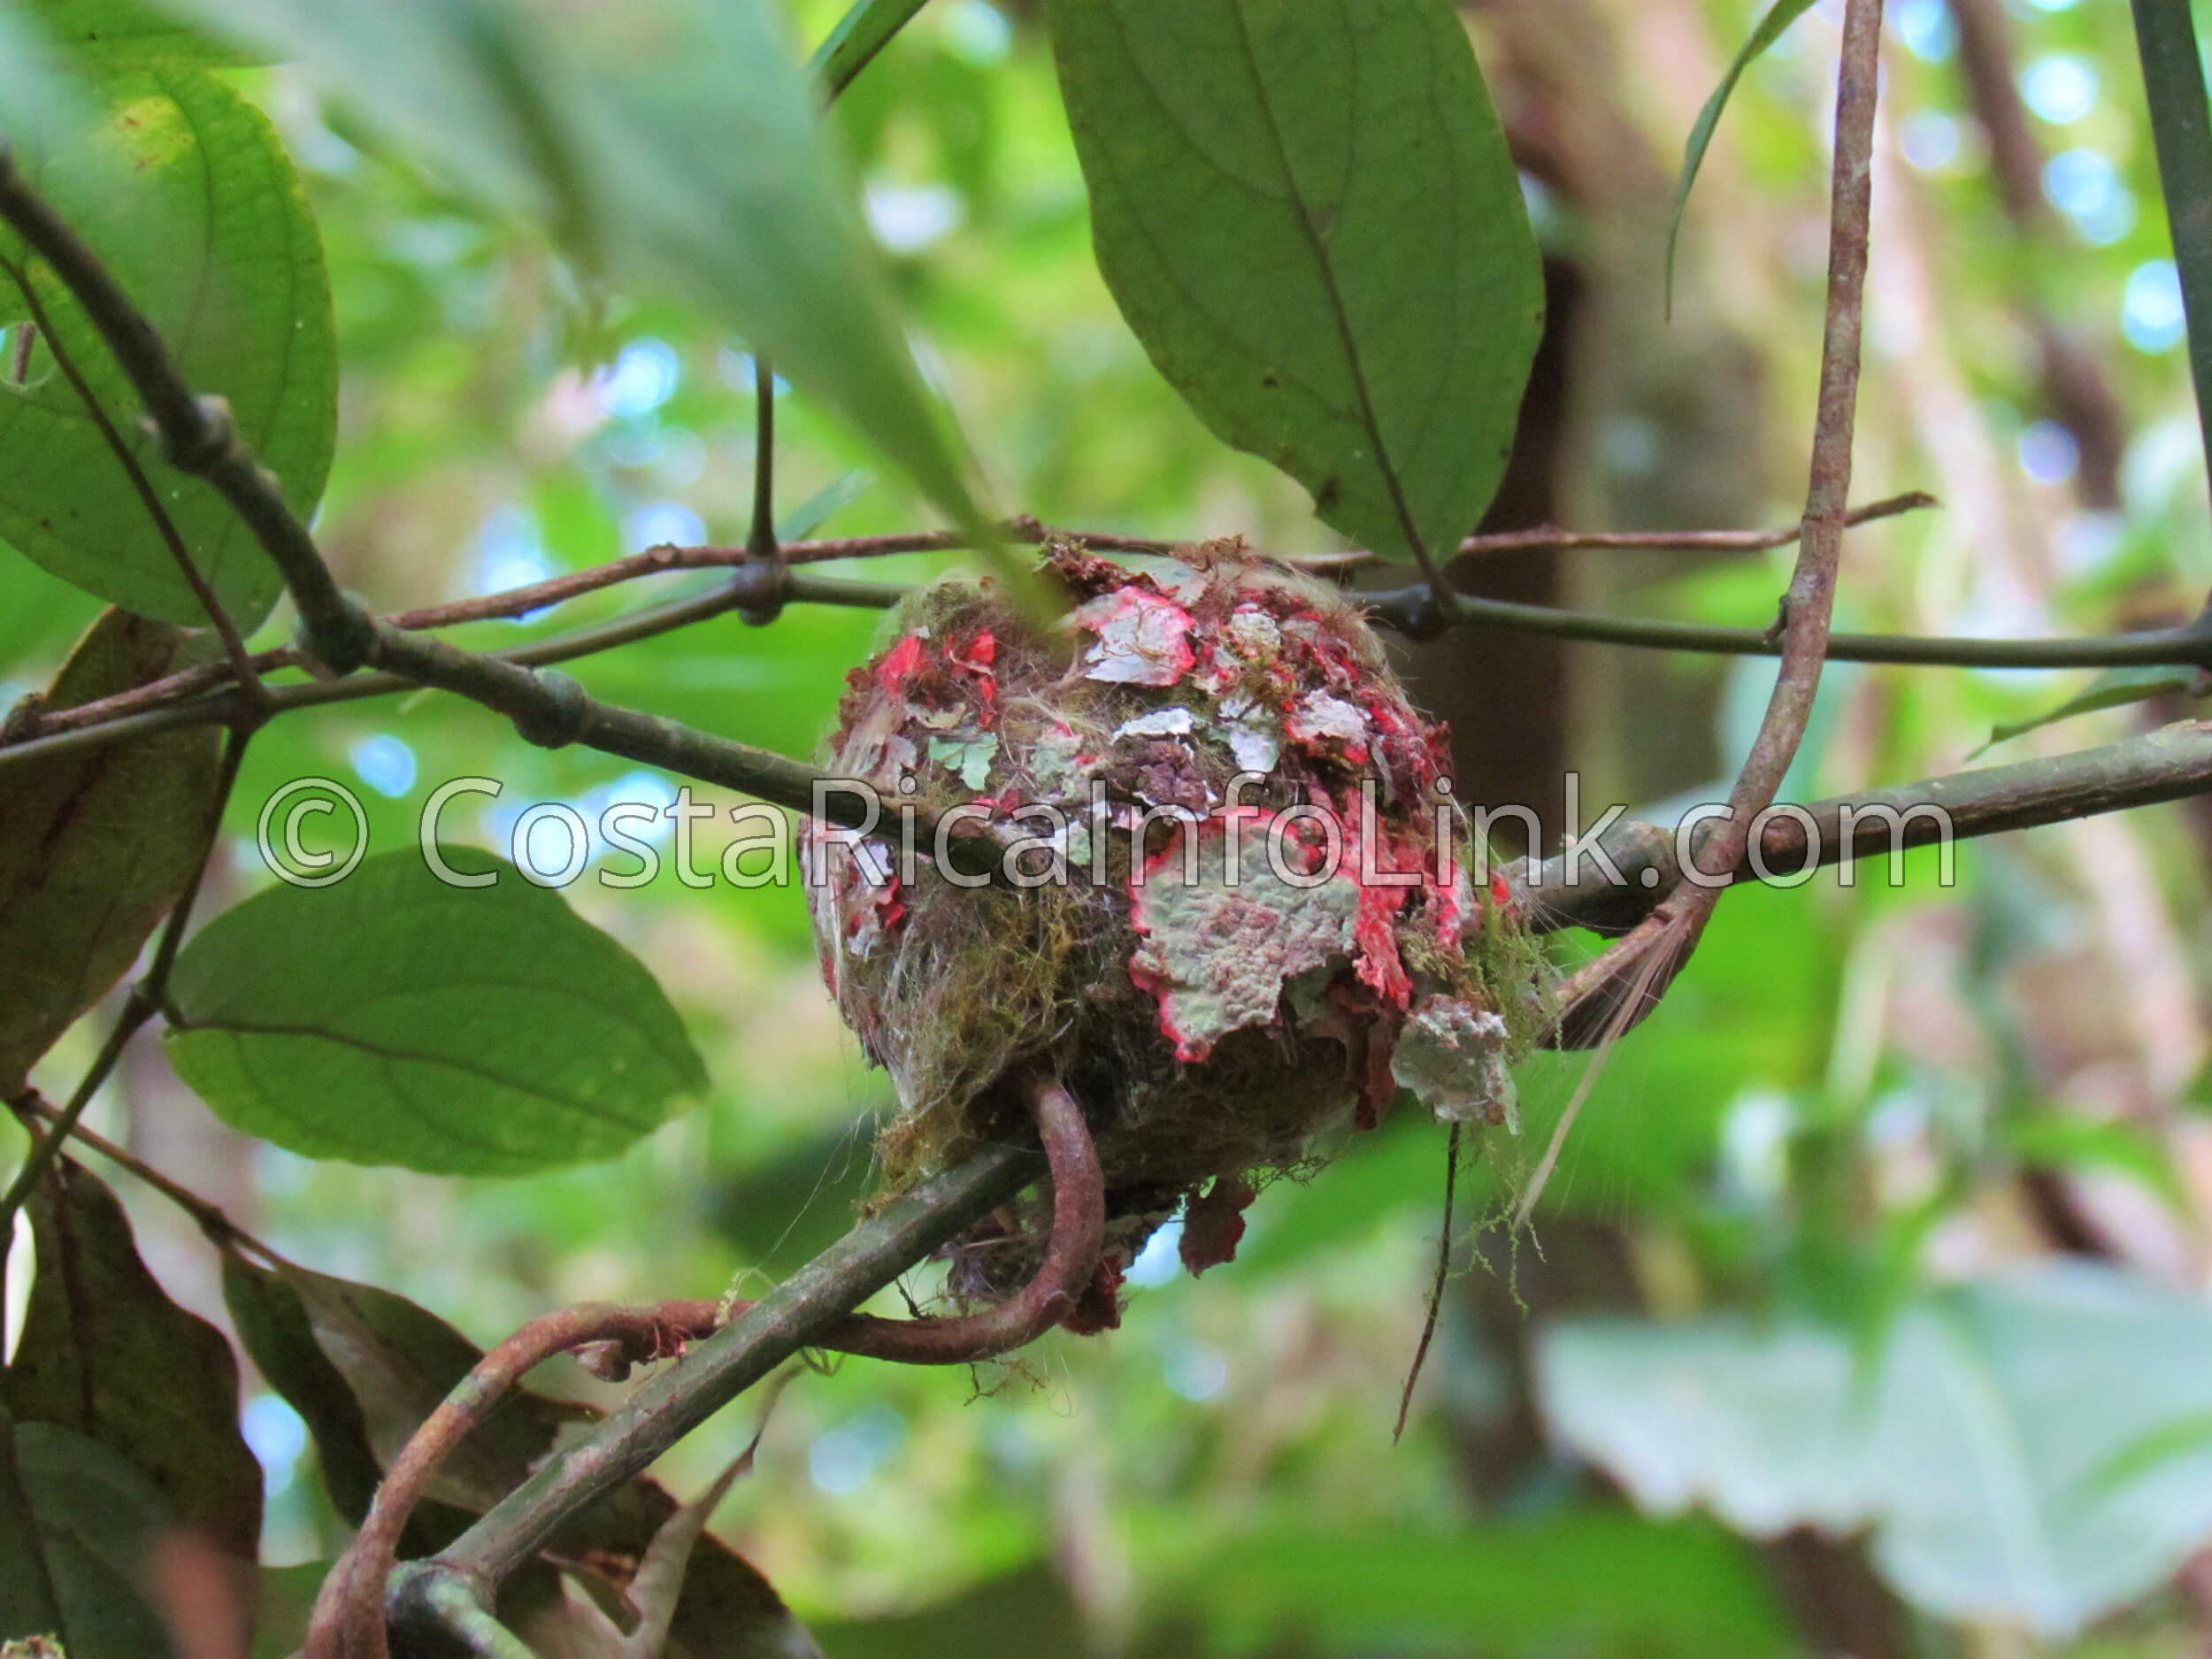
x: 1237, y: 907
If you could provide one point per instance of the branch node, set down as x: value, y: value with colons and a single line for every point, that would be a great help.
x: 761, y: 588
x: 561, y: 716
x: 213, y: 441
x: 335, y: 645
x: 1420, y: 613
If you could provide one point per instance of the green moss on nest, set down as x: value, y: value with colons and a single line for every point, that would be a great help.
x: 1211, y: 1028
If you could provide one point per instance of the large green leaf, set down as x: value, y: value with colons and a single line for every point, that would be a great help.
x: 393, y: 1019
x: 1779, y: 18
x: 106, y: 1353
x: 677, y: 143
x: 1584, y: 1581
x: 1980, y: 1450
x: 180, y: 185
x: 363, y: 1367
x: 1306, y: 212
x: 129, y: 34
x: 91, y: 1519
x: 95, y: 848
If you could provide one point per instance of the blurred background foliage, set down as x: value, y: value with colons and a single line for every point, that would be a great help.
x: 1962, y: 1124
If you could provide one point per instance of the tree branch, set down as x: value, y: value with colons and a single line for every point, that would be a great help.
x: 350, y: 1609
x: 2168, y: 764
x: 799, y: 1313
x: 218, y: 1228
x: 1630, y: 976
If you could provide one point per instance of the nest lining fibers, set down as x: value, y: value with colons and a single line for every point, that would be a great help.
x: 1210, y: 1029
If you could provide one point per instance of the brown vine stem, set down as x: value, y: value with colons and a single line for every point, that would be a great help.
x: 220, y: 1229
x: 349, y: 1619
x: 1635, y: 972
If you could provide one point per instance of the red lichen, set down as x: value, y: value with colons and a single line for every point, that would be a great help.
x: 1213, y: 1223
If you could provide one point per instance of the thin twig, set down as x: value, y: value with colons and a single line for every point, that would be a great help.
x: 349, y: 1609
x: 760, y: 541
x: 523, y: 599
x: 127, y: 716
x: 2187, y: 645
x: 1550, y: 538
x: 751, y: 585
x: 1645, y: 961
x: 1436, y: 1285
x: 220, y: 1229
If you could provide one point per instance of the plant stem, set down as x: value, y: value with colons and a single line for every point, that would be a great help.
x: 2168, y: 764
x: 670, y: 1405
x: 1630, y: 976
x: 2181, y: 128
x: 219, y: 1227
x: 2188, y: 646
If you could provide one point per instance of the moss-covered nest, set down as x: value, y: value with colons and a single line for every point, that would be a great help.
x: 1210, y: 1027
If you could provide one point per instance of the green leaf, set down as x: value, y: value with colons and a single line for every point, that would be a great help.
x: 1783, y: 13
x: 2161, y: 1445
x: 1585, y: 1580
x: 93, y: 1519
x: 392, y: 1018
x: 130, y: 35
x: 1307, y: 214
x: 363, y: 1367
x: 1979, y: 1450
x: 95, y: 848
x: 823, y: 505
x: 270, y: 1313
x: 859, y: 35
x: 182, y: 187
x: 397, y: 1360
x: 2113, y: 688
x: 106, y: 1353
x: 677, y: 144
